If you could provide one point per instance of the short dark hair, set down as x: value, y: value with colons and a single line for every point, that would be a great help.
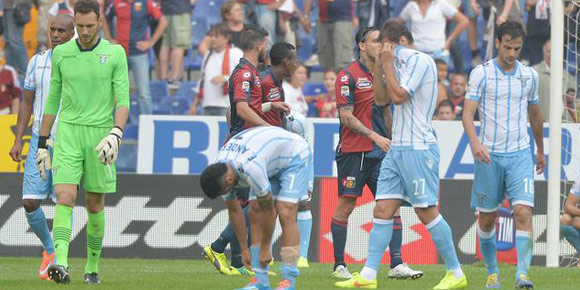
x: 251, y: 35
x: 446, y: 103
x: 440, y: 61
x: 393, y: 30
x: 221, y: 29
x: 513, y: 29
x: 281, y: 51
x: 212, y: 179
x: 88, y: 6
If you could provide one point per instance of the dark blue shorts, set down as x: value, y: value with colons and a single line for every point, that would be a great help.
x: 354, y: 171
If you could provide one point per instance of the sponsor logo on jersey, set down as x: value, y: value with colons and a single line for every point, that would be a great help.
x: 246, y: 86
x: 247, y: 74
x: 363, y: 83
x: 344, y: 91
x: 344, y: 79
x: 274, y: 94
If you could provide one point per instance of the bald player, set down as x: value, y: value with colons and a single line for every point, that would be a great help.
x: 36, y: 87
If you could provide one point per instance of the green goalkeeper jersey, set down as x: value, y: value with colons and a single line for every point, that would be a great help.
x: 85, y: 83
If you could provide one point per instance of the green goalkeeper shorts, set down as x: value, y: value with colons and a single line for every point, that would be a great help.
x: 75, y: 156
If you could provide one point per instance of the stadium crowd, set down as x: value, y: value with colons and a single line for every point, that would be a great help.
x: 165, y: 38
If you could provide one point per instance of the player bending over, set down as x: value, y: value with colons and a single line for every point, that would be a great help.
x: 570, y: 220
x: 36, y: 187
x: 277, y: 166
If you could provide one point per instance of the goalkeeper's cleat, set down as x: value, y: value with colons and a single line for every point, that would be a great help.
x: 92, y: 278
x: 302, y: 263
x: 47, y: 260
x: 341, y: 272
x: 524, y: 282
x: 58, y: 274
x: 403, y: 271
x: 492, y: 281
x: 357, y: 281
x: 285, y: 285
x: 450, y: 282
x: 241, y: 271
x: 253, y: 285
x: 218, y: 260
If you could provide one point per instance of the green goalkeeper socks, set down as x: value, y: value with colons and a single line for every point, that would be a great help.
x: 61, y: 233
x: 95, y: 233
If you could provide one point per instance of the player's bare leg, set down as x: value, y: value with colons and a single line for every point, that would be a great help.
x: 290, y: 244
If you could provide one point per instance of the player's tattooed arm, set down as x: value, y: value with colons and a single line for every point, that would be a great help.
x: 349, y: 120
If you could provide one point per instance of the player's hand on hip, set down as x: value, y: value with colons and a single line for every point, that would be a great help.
x: 481, y: 153
x: 383, y: 143
x: 16, y: 151
x: 43, y: 162
x: 540, y: 162
x: 108, y: 148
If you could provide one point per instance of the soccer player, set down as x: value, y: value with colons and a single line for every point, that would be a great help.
x: 570, y: 220
x: 283, y: 58
x: 37, y: 188
x: 410, y: 170
x: 277, y: 167
x: 363, y: 143
x: 89, y: 77
x: 505, y: 92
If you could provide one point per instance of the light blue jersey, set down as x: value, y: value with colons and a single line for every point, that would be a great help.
x: 412, y: 120
x: 503, y: 104
x: 269, y: 159
x: 37, y: 79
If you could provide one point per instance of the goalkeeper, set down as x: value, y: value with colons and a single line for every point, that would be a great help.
x: 89, y: 75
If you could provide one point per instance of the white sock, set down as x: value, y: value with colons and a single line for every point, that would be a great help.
x: 369, y: 273
x: 458, y: 273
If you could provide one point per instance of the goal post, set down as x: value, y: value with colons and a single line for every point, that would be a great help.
x: 555, y: 141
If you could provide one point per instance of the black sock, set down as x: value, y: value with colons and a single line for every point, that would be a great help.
x: 396, y: 242
x: 338, y: 230
x: 220, y: 244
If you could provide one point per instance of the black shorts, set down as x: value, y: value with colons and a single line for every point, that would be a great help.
x: 354, y: 171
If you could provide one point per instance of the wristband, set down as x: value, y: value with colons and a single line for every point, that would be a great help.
x: 42, y: 142
x: 266, y: 107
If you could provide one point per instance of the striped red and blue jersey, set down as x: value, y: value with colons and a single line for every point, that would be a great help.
x: 271, y: 92
x: 244, y: 86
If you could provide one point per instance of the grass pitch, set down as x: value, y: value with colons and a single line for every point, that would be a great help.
x: 21, y: 273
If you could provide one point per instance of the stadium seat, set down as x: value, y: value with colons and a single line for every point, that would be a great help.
x: 131, y: 131
x: 314, y: 89
x: 312, y: 110
x: 186, y: 90
x: 159, y: 90
x: 174, y: 106
x: 127, y: 158
x: 134, y: 110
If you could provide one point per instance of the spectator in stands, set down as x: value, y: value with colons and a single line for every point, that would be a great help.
x: 445, y: 111
x: 218, y: 64
x: 335, y: 32
x: 1, y: 21
x: 442, y: 82
x: 9, y: 89
x: 571, y: 105
x: 457, y: 89
x: 293, y: 91
x: 326, y: 103
x: 42, y: 7
x: 232, y: 14
x: 62, y: 7
x: 372, y: 13
x: 471, y: 32
x: 428, y: 20
x: 133, y: 19
x: 538, y: 30
x: 288, y: 16
x: 543, y: 69
x: 176, y: 39
x: 16, y: 15
x: 263, y: 13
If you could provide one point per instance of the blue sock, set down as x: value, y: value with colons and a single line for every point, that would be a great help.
x: 441, y: 235
x: 396, y: 242
x: 379, y: 240
x: 222, y: 241
x: 488, y: 250
x: 524, y: 246
x: 261, y: 272
x: 572, y: 235
x: 304, y: 221
x: 255, y: 256
x: 262, y: 276
x: 37, y: 221
x: 290, y: 272
x: 338, y: 230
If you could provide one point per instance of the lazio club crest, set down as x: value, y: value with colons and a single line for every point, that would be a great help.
x: 102, y: 58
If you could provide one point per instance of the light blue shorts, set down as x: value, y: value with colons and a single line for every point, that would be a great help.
x: 308, y: 195
x: 410, y: 175
x: 511, y: 174
x: 34, y: 186
x: 293, y: 182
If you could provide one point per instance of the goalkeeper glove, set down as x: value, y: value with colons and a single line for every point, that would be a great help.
x: 108, y: 148
x: 43, y: 156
